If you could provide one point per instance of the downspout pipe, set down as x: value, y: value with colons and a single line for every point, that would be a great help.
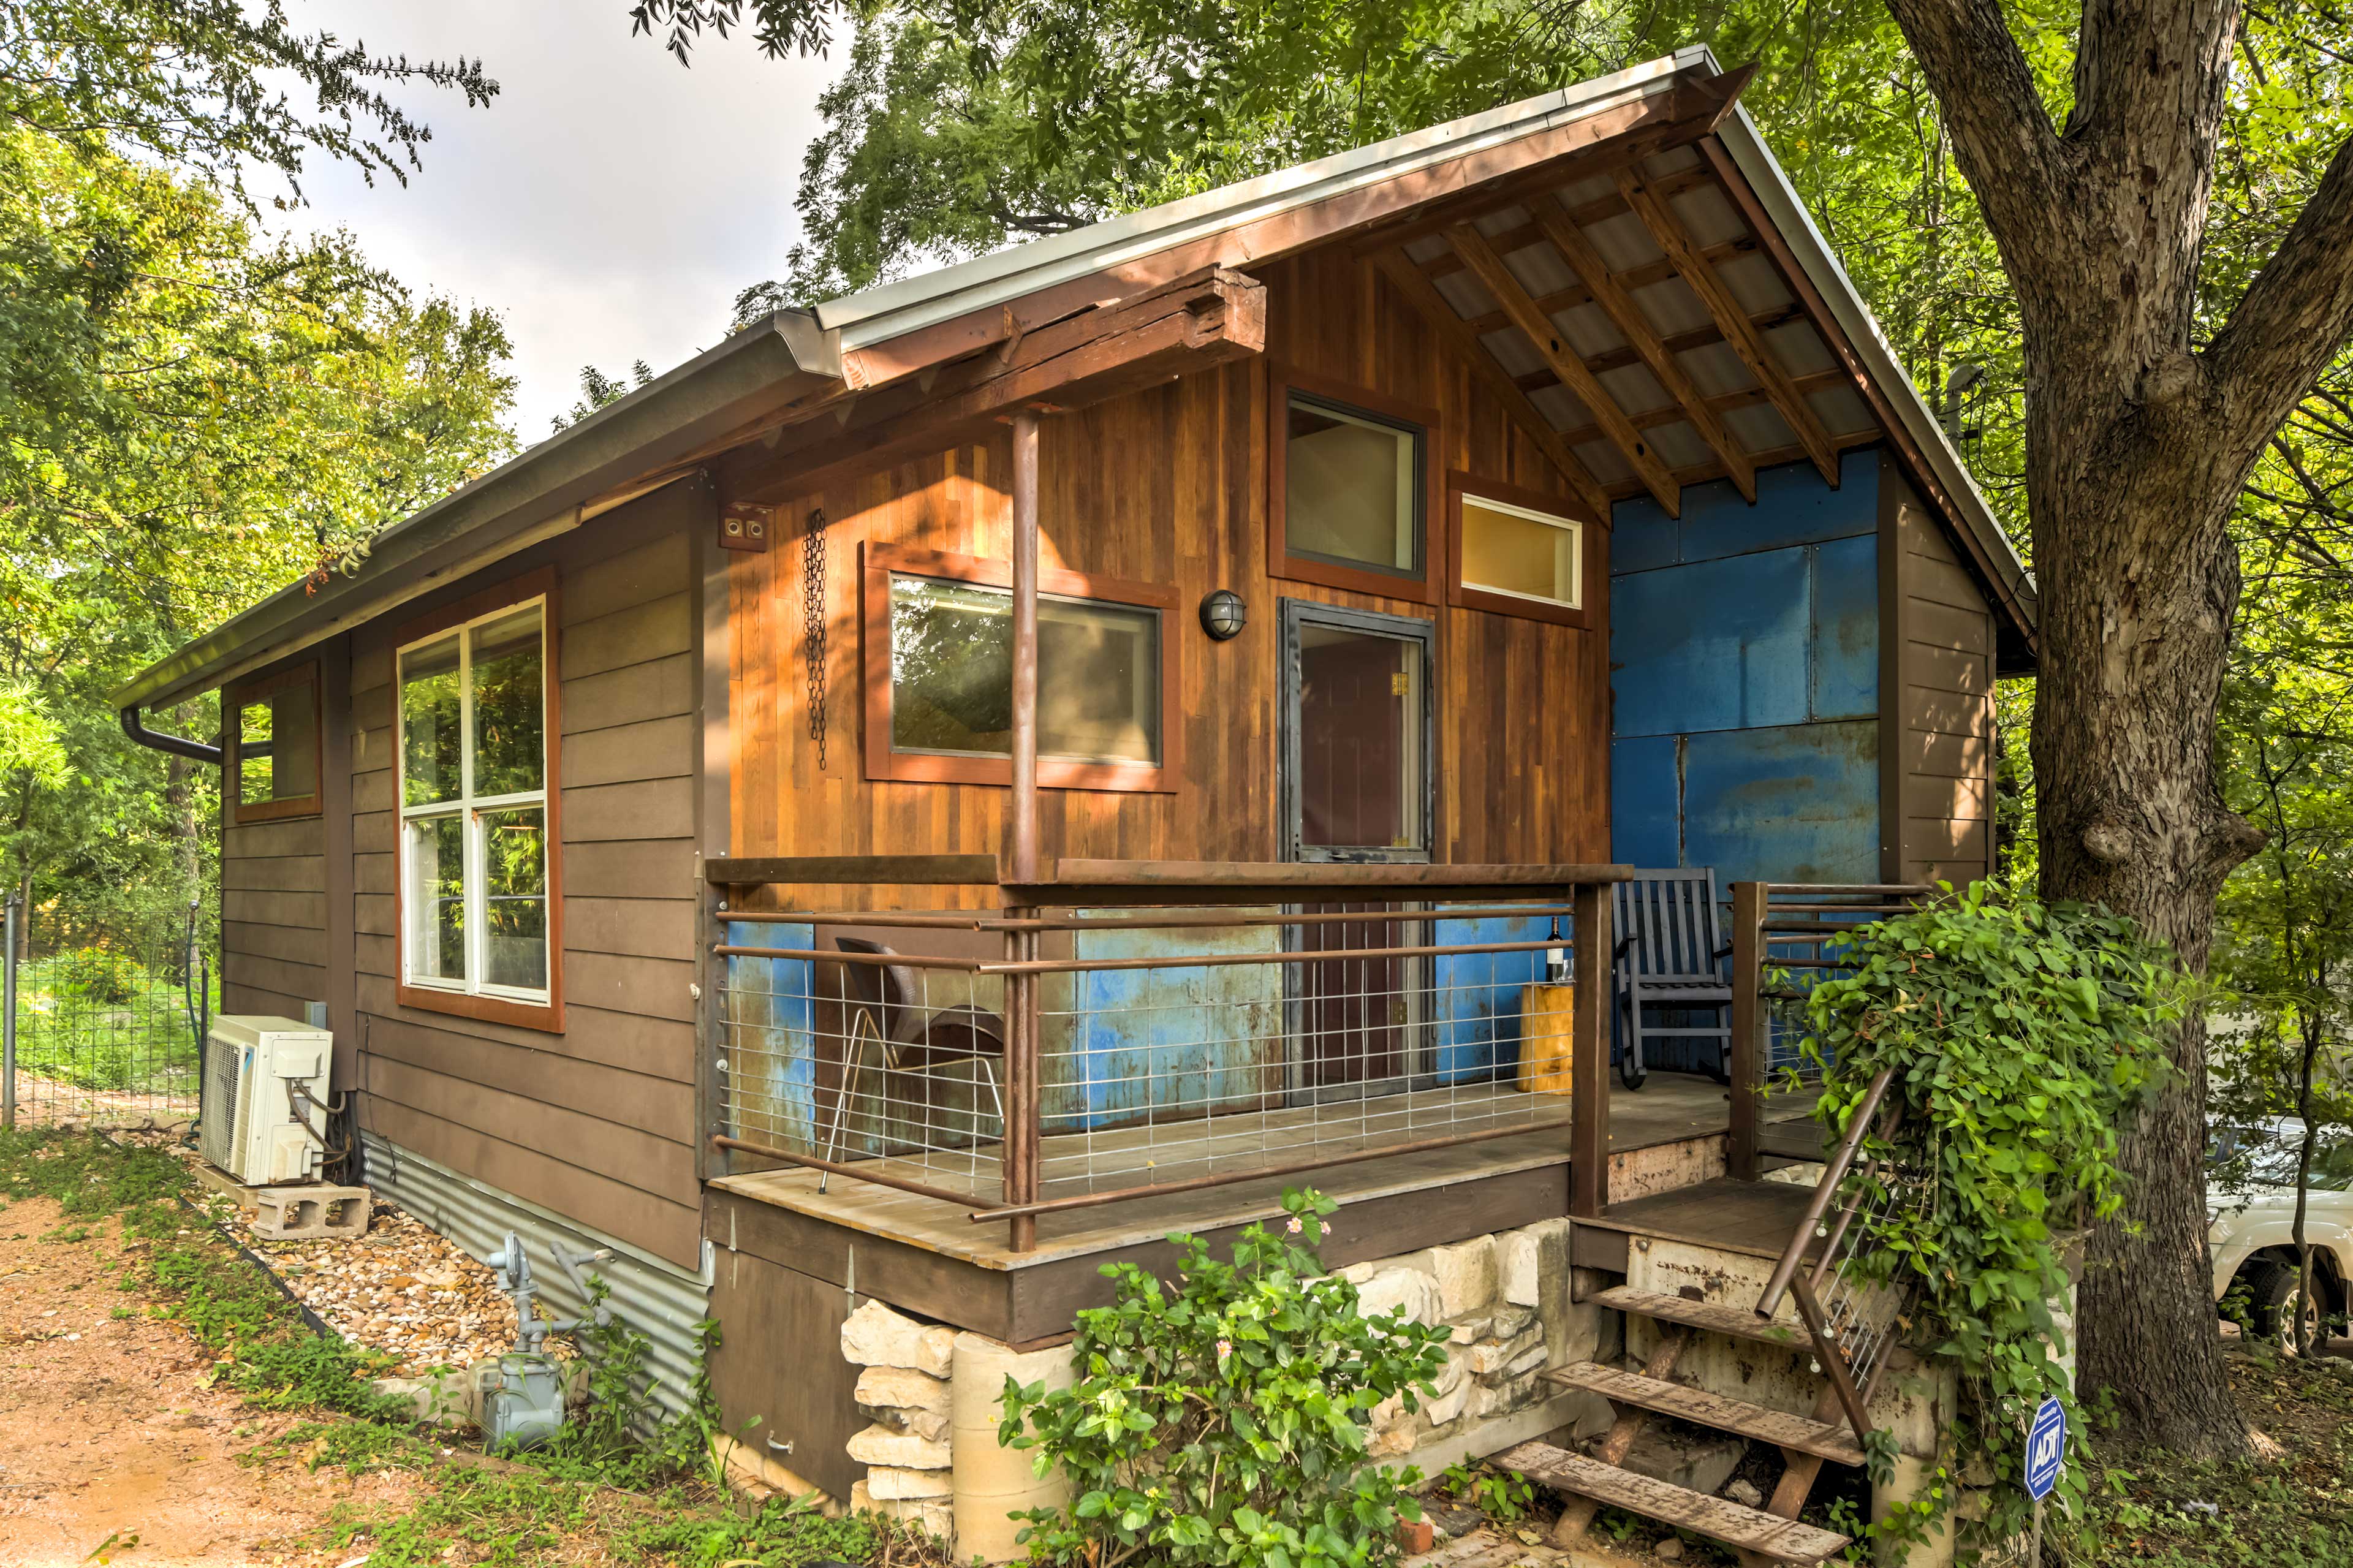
x: 178, y: 745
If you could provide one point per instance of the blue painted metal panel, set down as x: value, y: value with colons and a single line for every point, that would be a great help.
x: 1646, y: 803
x: 1845, y: 629
x: 1481, y: 1001
x: 1643, y: 537
x: 1719, y: 645
x: 1119, y: 1045
x: 1793, y: 507
x: 1796, y: 804
x: 768, y: 1034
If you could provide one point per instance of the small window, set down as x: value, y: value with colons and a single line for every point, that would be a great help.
x: 478, y: 895
x: 274, y: 731
x: 945, y: 707
x: 1518, y: 552
x: 1350, y: 506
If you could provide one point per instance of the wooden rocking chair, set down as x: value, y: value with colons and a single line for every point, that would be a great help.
x: 1668, y: 955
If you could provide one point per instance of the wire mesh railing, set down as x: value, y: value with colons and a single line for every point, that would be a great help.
x: 103, y: 1024
x: 1049, y: 1059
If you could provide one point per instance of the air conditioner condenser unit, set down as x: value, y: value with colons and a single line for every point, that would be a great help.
x: 254, y: 1125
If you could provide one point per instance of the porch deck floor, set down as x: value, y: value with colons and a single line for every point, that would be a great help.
x: 1671, y: 1108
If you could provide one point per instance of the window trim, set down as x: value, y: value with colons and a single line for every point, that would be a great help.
x: 1296, y: 613
x: 241, y: 813
x: 1593, y: 554
x: 880, y: 561
x: 547, y: 1017
x: 1282, y: 382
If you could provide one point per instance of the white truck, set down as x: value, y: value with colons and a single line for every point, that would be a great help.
x: 2251, y: 1218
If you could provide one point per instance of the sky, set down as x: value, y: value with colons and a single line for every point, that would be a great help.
x: 608, y: 204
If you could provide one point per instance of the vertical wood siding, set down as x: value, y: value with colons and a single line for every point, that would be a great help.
x: 596, y: 1124
x: 1943, y: 666
x: 1168, y: 486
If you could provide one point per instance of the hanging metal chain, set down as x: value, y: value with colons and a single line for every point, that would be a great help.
x: 813, y: 625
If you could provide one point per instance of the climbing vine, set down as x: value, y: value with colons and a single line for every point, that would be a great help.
x: 2019, y: 1034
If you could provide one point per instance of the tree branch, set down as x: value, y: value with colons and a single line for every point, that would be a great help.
x: 2296, y: 316
x: 2002, y: 136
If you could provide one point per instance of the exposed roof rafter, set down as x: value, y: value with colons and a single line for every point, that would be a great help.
x: 1567, y: 364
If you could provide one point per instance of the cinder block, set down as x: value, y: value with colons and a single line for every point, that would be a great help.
x: 309, y: 1214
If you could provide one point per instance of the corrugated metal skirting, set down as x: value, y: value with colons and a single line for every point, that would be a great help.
x: 655, y: 1298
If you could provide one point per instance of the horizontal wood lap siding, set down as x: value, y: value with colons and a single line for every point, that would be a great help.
x: 1168, y: 486
x: 1944, y: 665
x: 273, y: 914
x: 596, y: 1123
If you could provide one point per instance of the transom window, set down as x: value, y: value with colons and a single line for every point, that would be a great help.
x: 1518, y: 552
x: 475, y: 769
x: 1351, y: 499
x: 940, y: 647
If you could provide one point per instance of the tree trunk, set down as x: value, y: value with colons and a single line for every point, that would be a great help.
x: 2138, y: 582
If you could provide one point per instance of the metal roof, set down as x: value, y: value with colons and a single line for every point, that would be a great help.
x: 765, y: 368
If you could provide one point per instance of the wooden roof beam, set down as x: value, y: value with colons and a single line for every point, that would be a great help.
x: 1722, y: 403
x: 1633, y: 278
x: 1427, y: 302
x: 1644, y: 340
x: 1204, y: 319
x: 1624, y: 354
x: 1595, y: 211
x: 1567, y: 364
x: 1747, y: 341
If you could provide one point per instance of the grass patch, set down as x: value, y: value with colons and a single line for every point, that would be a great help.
x: 597, y: 1494
x: 2292, y: 1511
x: 231, y: 1307
x: 96, y: 1018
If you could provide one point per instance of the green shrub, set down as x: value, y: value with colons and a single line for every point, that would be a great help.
x: 2019, y: 1034
x: 100, y: 974
x: 1225, y: 1424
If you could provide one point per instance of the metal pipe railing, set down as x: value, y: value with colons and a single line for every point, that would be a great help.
x: 1217, y: 1081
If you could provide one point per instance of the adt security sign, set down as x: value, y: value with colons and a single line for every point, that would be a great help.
x: 2046, y: 1448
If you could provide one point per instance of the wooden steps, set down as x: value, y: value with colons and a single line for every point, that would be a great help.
x: 1702, y: 1408
x: 1709, y: 1316
x: 1751, y: 1530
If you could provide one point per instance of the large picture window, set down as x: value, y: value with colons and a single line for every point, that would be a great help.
x: 272, y: 725
x: 481, y: 914
x: 1349, y: 503
x: 939, y: 650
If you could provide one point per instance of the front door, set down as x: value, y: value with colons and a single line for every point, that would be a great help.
x: 1356, y: 786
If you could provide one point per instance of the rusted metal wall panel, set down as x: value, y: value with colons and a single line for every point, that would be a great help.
x: 1481, y: 998
x: 1746, y: 641
x: 768, y: 1039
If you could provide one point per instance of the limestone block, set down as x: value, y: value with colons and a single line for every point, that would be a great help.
x: 1533, y: 1264
x: 1510, y: 1322
x: 1393, y: 1288
x: 1471, y: 1328
x: 1497, y: 1399
x: 1466, y: 1274
x: 888, y: 1483
x: 1395, y: 1440
x: 1531, y: 1360
x: 881, y: 1445
x: 1450, y: 1404
x: 1491, y: 1358
x: 928, y: 1514
x: 1452, y: 1375
x: 904, y: 1400
x: 875, y: 1335
x: 1357, y: 1273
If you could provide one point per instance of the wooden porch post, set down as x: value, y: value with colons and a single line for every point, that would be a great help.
x: 1748, y: 1018
x: 1019, y: 1148
x: 1588, y: 1107
x: 1024, y: 647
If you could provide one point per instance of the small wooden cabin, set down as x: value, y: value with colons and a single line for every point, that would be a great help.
x: 886, y: 772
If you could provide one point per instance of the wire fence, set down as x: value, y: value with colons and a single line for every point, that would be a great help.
x: 1171, y: 1046
x: 104, y: 1022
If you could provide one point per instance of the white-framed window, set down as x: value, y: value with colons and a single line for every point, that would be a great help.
x: 475, y: 771
x: 1521, y: 552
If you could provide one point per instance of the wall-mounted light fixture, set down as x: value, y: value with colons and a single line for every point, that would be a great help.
x: 1223, y: 615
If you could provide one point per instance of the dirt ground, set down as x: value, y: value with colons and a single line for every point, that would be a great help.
x: 107, y: 1428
